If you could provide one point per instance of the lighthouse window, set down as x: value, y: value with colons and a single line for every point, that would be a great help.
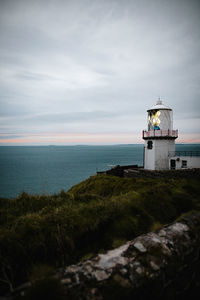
x: 154, y: 120
x: 149, y: 145
x: 184, y: 164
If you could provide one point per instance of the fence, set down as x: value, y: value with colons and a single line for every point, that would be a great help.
x: 184, y: 153
x: 160, y: 133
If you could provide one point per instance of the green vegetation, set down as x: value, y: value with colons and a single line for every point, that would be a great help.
x: 100, y: 213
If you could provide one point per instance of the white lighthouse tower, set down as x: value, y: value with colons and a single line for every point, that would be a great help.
x: 159, y: 138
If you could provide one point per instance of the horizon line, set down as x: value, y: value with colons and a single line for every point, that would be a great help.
x: 66, y: 145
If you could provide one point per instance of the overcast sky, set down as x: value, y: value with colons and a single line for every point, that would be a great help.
x: 86, y: 71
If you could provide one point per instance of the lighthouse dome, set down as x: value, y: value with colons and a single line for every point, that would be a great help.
x: 159, y: 105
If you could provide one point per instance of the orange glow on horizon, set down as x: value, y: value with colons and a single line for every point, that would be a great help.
x: 84, y: 138
x: 72, y: 138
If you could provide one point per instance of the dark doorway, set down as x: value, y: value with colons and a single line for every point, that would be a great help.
x: 172, y: 164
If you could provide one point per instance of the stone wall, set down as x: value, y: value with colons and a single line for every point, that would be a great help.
x: 119, y: 170
x: 135, y: 171
x: 183, y: 173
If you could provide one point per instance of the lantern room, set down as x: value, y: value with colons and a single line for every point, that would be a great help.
x: 160, y: 122
x: 160, y: 117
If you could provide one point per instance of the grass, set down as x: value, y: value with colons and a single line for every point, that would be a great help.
x: 100, y: 213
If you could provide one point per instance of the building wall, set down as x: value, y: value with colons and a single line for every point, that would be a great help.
x: 162, y: 149
x: 157, y: 158
x: 149, y: 157
x: 192, y: 161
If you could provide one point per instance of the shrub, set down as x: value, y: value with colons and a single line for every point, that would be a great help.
x: 99, y: 213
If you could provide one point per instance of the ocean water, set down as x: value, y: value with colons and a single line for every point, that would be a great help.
x: 48, y: 169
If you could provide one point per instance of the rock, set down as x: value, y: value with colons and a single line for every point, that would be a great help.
x: 156, y: 264
x: 113, y: 257
x: 140, y: 247
x: 100, y: 275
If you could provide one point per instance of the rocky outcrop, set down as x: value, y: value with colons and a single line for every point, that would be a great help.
x: 164, y: 264
x: 157, y: 265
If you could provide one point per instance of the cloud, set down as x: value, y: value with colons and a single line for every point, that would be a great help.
x: 97, y: 66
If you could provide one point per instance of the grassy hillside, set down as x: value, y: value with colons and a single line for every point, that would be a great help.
x: 100, y: 213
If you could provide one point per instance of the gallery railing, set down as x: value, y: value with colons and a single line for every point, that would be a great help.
x: 159, y: 133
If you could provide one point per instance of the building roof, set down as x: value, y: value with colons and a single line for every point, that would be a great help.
x: 159, y: 105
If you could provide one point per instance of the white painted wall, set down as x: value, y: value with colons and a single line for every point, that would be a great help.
x: 149, y: 157
x: 192, y: 161
x: 162, y: 149
x: 157, y: 158
x: 166, y: 119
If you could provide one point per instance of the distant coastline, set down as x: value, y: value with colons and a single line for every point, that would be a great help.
x: 85, y: 145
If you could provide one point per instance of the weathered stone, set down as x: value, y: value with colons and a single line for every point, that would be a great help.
x: 139, y: 270
x: 123, y: 271
x: 166, y: 251
x: 113, y: 257
x: 178, y: 228
x: 140, y: 247
x: 153, y: 264
x: 162, y: 233
x: 100, y: 275
x: 155, y: 239
x: 65, y: 281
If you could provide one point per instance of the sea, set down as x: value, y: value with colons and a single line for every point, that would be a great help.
x: 50, y: 169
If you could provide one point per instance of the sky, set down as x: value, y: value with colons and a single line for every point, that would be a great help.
x: 86, y: 71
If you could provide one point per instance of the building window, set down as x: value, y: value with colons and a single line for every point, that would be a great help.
x: 172, y: 164
x: 149, y: 145
x: 184, y: 164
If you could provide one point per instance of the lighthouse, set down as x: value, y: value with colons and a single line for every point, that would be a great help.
x: 159, y: 137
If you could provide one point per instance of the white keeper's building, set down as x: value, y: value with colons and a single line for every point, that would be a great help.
x: 159, y: 148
